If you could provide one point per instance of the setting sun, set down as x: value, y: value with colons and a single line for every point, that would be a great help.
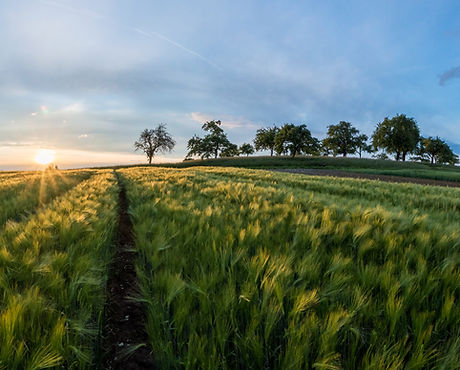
x: 45, y: 156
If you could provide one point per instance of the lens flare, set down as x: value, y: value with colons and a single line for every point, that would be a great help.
x: 45, y: 156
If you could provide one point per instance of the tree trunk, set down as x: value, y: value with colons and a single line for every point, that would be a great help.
x: 345, y: 154
x: 271, y: 152
x: 150, y: 159
x: 404, y: 156
x: 397, y: 156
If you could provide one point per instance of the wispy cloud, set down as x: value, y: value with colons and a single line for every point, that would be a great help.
x: 449, y: 75
x: 227, y: 121
x: 83, y: 136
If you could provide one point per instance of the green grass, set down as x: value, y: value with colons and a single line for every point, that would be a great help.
x: 252, y: 269
x: 53, y: 272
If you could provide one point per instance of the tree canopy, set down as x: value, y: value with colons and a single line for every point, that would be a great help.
x: 437, y: 150
x: 212, y: 144
x: 398, y: 135
x: 265, y: 139
x: 152, y: 141
x: 295, y: 140
x: 247, y: 149
x: 342, y: 138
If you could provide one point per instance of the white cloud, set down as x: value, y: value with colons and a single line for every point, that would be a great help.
x: 83, y: 136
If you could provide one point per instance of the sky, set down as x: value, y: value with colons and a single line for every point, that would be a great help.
x: 84, y: 78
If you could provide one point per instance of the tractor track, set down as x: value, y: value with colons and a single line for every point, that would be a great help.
x: 125, y: 340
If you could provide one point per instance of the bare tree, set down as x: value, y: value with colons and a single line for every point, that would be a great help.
x: 152, y: 141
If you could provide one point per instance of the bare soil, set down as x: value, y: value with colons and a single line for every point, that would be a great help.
x: 125, y: 321
x: 355, y: 175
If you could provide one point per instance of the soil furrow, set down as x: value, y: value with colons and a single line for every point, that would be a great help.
x: 125, y: 343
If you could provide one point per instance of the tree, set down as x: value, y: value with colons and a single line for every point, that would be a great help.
x: 362, y: 145
x: 265, y: 139
x: 294, y: 140
x: 398, y: 135
x: 230, y: 151
x: 246, y: 149
x: 155, y: 140
x: 342, y: 138
x: 437, y: 150
x: 325, y: 150
x: 212, y: 144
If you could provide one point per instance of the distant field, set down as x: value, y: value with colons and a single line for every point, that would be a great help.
x: 237, y: 268
x: 371, y: 166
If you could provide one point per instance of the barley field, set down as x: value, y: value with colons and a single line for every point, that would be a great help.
x: 253, y: 269
x: 237, y: 269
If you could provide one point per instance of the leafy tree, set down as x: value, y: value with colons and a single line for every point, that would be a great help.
x: 155, y: 140
x: 325, y: 150
x: 212, y: 144
x: 362, y: 145
x: 294, y: 140
x: 437, y: 150
x: 342, y: 138
x: 398, y: 135
x: 265, y: 139
x: 246, y: 149
x: 230, y: 151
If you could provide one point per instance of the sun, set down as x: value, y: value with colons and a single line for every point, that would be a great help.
x: 45, y: 156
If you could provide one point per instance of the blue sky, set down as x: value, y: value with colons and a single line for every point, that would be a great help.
x: 84, y: 78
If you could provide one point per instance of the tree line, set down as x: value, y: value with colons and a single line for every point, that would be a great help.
x: 398, y: 136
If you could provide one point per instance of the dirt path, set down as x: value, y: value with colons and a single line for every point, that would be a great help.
x: 355, y: 175
x: 125, y: 322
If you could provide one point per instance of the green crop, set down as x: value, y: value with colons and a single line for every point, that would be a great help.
x: 53, y: 272
x: 252, y: 269
x: 23, y: 192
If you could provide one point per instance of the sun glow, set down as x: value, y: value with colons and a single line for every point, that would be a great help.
x: 45, y: 156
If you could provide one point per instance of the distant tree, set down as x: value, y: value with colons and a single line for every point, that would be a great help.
x: 362, y: 145
x: 398, y: 135
x: 230, y: 151
x: 265, y: 139
x: 437, y: 150
x: 295, y: 140
x: 154, y: 140
x: 246, y: 149
x: 210, y: 145
x: 342, y: 138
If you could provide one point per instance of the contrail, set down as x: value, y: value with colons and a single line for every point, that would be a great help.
x: 150, y: 35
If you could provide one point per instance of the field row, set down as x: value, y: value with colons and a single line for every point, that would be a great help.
x: 251, y: 269
x: 53, y: 272
x: 22, y: 193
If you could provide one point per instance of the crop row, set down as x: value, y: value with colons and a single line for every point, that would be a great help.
x: 24, y: 192
x: 53, y: 271
x: 248, y: 269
